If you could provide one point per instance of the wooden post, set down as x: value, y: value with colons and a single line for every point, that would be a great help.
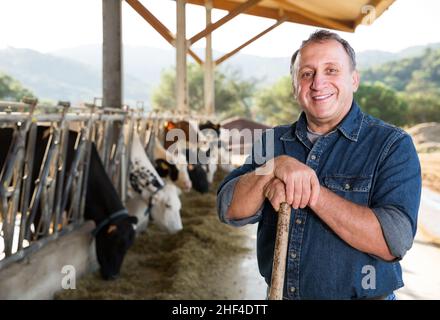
x: 209, y: 90
x: 280, y: 253
x: 111, y: 54
x: 181, y: 50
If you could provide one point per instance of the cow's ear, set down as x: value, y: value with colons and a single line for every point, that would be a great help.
x: 132, y: 219
x: 112, y: 229
x: 174, y: 172
x: 162, y: 168
x: 170, y: 125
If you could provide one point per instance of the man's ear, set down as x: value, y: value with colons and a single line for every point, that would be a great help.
x: 356, y: 80
x: 293, y: 90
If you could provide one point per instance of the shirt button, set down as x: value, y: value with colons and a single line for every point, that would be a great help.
x: 293, y: 255
x: 347, y: 186
x: 298, y: 221
x: 313, y: 157
x: 292, y: 289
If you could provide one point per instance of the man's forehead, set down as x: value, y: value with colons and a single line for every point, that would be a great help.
x: 323, y: 52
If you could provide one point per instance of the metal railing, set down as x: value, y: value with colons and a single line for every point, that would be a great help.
x: 39, y: 204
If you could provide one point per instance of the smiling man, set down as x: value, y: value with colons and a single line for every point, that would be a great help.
x: 353, y: 182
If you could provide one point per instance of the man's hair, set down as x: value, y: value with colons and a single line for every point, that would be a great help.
x: 323, y: 35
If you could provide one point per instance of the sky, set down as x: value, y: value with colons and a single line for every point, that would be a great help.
x: 49, y: 25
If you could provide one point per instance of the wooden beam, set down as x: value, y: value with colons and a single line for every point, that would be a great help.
x: 328, y: 23
x: 152, y: 20
x: 159, y: 26
x: 233, y: 13
x: 274, y: 13
x: 228, y: 55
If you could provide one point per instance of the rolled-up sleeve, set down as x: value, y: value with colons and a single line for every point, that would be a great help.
x: 396, y: 229
x: 224, y: 199
x: 396, y: 196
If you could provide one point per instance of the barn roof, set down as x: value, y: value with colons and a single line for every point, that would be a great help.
x: 343, y: 15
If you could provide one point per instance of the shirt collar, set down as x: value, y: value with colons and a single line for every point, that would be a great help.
x: 350, y: 126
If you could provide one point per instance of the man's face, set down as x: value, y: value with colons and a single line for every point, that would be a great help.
x: 324, y: 83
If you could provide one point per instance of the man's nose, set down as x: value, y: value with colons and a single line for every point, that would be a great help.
x: 319, y: 81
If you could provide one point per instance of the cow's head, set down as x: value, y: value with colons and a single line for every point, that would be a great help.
x: 112, y: 243
x: 166, y: 207
x: 198, y: 178
x: 197, y: 172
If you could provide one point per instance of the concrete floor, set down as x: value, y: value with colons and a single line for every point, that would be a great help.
x: 421, y: 264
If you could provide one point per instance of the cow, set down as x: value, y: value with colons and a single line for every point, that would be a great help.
x: 181, y: 177
x: 114, y: 232
x: 148, y: 194
x: 209, y: 125
x: 194, y: 140
x: 198, y: 173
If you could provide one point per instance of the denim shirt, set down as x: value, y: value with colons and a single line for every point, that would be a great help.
x: 365, y: 161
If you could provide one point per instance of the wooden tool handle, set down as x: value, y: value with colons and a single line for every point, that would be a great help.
x: 280, y: 253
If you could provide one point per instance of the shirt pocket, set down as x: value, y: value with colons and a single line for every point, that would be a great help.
x: 353, y: 188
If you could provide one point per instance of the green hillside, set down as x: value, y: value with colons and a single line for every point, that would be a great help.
x: 413, y: 83
x: 420, y: 74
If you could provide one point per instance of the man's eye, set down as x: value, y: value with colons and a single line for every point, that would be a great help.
x: 332, y: 71
x: 306, y: 75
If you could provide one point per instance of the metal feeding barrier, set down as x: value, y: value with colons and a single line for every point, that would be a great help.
x: 39, y: 204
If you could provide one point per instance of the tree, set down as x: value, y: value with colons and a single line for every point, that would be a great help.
x: 11, y: 89
x: 233, y: 95
x: 382, y: 102
x: 276, y: 104
x: 422, y: 107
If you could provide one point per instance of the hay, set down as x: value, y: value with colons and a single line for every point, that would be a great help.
x: 188, y: 265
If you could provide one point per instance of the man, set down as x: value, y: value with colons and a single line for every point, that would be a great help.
x: 353, y: 182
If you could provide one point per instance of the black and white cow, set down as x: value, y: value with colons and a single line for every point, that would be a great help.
x: 151, y: 196
x: 114, y: 227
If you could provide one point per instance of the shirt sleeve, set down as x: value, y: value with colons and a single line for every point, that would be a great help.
x: 396, y: 229
x: 396, y: 194
x: 224, y: 199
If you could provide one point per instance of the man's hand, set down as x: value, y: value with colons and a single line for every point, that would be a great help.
x: 300, y: 182
x: 275, y: 192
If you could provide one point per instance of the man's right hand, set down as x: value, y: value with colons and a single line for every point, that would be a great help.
x: 301, y: 183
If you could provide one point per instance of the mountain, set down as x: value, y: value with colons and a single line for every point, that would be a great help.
x: 75, y: 74
x: 147, y: 63
x: 55, y: 78
x: 372, y: 58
